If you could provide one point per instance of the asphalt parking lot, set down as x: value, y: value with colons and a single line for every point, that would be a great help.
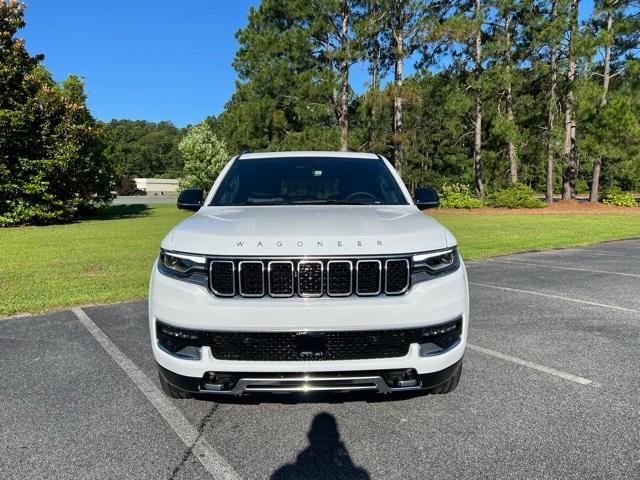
x: 550, y: 389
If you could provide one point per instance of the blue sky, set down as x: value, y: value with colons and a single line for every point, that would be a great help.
x: 149, y: 59
x: 142, y: 59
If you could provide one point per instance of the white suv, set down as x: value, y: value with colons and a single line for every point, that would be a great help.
x: 306, y: 271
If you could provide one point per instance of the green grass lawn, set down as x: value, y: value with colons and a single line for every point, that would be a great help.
x: 481, y: 236
x: 108, y: 258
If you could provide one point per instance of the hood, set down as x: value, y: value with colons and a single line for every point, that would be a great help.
x: 316, y: 230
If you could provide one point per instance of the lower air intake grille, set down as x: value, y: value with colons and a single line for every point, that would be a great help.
x: 349, y: 345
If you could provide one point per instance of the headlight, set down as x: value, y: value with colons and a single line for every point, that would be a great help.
x: 191, y: 268
x: 437, y: 263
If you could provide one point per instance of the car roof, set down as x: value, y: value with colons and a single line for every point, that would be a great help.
x: 261, y: 155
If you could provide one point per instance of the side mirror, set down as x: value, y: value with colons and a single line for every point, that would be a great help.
x: 426, y: 197
x: 191, y: 199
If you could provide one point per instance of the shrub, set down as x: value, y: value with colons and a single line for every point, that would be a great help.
x: 620, y: 199
x: 518, y: 196
x: 204, y: 156
x: 458, y: 195
x: 125, y: 185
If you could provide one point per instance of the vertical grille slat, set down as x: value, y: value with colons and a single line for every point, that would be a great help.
x: 310, y: 278
x: 397, y: 276
x: 368, y: 277
x: 280, y: 277
x: 222, y: 273
x: 251, y: 275
x: 339, y: 278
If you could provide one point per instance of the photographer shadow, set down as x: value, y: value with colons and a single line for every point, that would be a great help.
x: 325, y: 457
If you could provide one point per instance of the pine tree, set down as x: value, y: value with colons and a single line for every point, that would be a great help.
x: 619, y: 34
x: 569, y: 150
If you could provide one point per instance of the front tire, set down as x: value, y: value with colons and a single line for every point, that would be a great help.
x: 171, y: 391
x: 450, y: 385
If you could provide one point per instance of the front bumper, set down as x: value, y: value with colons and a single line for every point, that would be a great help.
x: 190, y: 306
x: 376, y: 380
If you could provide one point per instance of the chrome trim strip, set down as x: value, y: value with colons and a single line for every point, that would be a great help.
x: 250, y: 295
x: 386, y: 277
x: 371, y: 294
x: 311, y: 295
x: 233, y: 278
x: 310, y: 383
x: 426, y: 256
x: 373, y: 256
x: 187, y: 256
x: 315, y: 257
x: 280, y: 295
x: 329, y: 278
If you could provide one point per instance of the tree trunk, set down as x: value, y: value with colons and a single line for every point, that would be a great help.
x: 553, y: 71
x: 343, y: 119
x: 607, y: 61
x: 595, y: 180
x: 569, y: 147
x: 597, y: 163
x: 477, y: 142
x: 374, y: 57
x: 398, y: 156
x: 513, y: 165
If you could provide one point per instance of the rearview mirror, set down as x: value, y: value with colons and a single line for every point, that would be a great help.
x: 426, y: 197
x: 191, y: 199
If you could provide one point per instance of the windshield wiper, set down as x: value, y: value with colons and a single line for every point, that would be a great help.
x: 265, y: 202
x: 330, y: 201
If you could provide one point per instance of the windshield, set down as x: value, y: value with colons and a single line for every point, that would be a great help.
x: 309, y: 181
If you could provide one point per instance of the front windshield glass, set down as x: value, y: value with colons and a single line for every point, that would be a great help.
x: 308, y: 181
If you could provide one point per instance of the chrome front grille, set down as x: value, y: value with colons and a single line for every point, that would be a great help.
x: 334, y: 277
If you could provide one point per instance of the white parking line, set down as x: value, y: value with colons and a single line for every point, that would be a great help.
x: 559, y: 297
x: 210, y: 459
x: 527, y: 363
x: 558, y: 267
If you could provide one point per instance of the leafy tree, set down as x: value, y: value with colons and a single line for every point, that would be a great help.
x: 51, y: 165
x: 205, y: 156
x: 138, y: 148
